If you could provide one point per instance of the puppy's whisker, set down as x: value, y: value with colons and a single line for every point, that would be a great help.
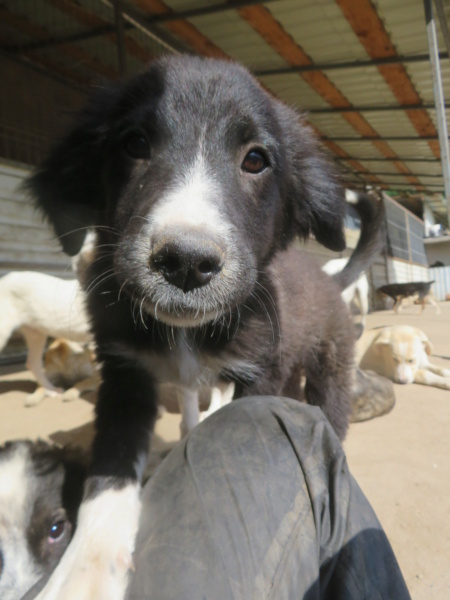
x: 121, y: 288
x: 100, y: 280
x: 264, y: 307
x: 141, y: 313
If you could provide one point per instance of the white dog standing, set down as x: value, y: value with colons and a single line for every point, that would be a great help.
x: 401, y: 353
x: 41, y: 306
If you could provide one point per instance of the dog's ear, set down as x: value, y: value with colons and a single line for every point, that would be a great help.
x: 427, y: 345
x: 382, y: 340
x: 67, y: 186
x: 316, y: 197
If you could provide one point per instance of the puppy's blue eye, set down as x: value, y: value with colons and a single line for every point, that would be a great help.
x: 254, y: 162
x: 136, y: 145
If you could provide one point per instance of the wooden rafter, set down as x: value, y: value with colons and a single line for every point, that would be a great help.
x: 262, y: 21
x: 372, y: 34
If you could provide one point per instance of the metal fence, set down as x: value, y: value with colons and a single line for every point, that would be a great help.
x: 52, y: 53
x: 405, y: 233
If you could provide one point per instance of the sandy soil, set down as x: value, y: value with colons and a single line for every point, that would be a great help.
x: 401, y: 460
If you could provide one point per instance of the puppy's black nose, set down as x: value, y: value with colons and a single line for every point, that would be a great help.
x: 189, y: 262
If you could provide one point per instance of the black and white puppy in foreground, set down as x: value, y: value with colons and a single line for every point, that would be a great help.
x: 196, y: 181
x: 41, y: 487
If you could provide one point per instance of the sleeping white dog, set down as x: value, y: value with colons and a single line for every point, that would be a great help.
x: 401, y: 353
x: 41, y: 306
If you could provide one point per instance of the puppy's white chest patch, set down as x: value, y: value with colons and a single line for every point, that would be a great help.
x: 182, y: 364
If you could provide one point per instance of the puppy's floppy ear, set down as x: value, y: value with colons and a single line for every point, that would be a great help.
x: 67, y: 185
x: 428, y: 347
x: 317, y: 198
x: 382, y: 340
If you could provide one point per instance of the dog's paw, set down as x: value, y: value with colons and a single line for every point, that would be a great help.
x: 40, y: 394
x: 70, y: 395
x: 98, y: 560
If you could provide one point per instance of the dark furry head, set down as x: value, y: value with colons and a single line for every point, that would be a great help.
x: 246, y: 171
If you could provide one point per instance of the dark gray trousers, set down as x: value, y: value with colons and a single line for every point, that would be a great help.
x: 258, y: 503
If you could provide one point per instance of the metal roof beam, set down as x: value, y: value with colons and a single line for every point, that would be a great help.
x: 365, y: 21
x: 205, y: 10
x: 383, y: 173
x: 425, y: 186
x: 387, y: 138
x: 263, y: 22
x: 145, y: 21
x: 389, y: 159
x: 67, y: 39
x: 354, y: 64
x: 120, y: 34
x: 396, y: 107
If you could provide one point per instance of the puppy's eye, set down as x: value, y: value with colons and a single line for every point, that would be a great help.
x: 57, y: 531
x: 136, y: 145
x: 254, y: 162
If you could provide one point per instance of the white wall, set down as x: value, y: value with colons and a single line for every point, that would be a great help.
x: 438, y: 249
x: 400, y: 271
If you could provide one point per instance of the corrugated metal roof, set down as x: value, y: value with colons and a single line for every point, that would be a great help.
x: 274, y: 36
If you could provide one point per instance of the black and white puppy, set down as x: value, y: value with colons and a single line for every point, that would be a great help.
x: 197, y: 181
x: 41, y: 487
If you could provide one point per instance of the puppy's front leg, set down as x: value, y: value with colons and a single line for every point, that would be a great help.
x: 188, y: 400
x: 426, y: 377
x: 442, y: 371
x: 97, y: 561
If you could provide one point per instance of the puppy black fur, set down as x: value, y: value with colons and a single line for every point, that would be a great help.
x: 211, y: 291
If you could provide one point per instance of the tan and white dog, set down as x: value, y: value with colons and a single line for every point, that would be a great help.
x: 401, y: 353
x: 69, y: 366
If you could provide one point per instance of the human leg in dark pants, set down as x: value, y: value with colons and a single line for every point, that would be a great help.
x: 258, y: 503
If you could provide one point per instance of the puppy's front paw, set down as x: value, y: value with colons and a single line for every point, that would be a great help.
x: 98, y: 560
x: 40, y: 394
x: 70, y: 395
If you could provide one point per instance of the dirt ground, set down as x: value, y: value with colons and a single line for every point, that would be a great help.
x: 400, y: 460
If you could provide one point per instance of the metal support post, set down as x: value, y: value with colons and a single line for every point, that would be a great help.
x: 120, y: 32
x: 439, y: 100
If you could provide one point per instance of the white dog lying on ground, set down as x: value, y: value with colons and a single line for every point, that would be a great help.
x: 356, y: 293
x: 401, y: 353
x: 41, y: 306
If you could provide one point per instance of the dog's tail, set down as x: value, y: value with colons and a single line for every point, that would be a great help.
x: 371, y: 241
